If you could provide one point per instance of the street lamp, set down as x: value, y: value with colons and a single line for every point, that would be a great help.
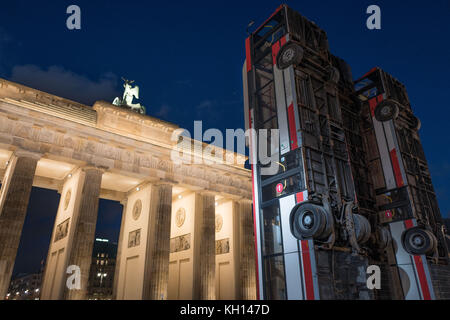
x: 101, y: 276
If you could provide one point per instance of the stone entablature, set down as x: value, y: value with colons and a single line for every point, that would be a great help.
x: 109, y: 137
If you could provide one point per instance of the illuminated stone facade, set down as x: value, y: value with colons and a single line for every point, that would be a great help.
x: 169, y: 246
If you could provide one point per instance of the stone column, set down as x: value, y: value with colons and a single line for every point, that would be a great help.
x: 14, y: 197
x: 119, y: 249
x: 204, y: 247
x: 247, y: 252
x: 158, y: 243
x: 84, y: 235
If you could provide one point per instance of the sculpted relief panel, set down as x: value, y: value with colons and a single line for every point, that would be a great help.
x: 62, y: 230
x: 219, y: 222
x: 67, y: 199
x: 180, y: 217
x: 180, y: 243
x: 137, y: 208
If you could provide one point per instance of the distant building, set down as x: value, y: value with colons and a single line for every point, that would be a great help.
x: 101, y: 276
x: 25, y: 287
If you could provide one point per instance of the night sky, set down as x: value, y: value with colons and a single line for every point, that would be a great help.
x: 187, y: 57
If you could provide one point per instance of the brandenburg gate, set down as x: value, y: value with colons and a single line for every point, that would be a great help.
x: 186, y: 231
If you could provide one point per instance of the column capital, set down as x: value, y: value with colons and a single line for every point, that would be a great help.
x: 163, y: 183
x: 93, y: 167
x: 206, y: 193
x: 22, y: 153
x: 245, y: 201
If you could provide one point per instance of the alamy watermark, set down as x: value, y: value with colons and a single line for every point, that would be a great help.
x: 374, y: 20
x: 73, y: 22
x: 374, y: 280
x: 208, y: 147
x: 74, y: 279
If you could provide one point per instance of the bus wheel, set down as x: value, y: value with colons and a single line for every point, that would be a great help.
x: 309, y: 220
x: 386, y: 110
x: 384, y: 237
x: 418, y: 241
x: 291, y: 53
x: 415, y: 123
x: 362, y: 228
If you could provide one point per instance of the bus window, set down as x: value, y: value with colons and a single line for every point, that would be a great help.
x: 275, y: 279
x: 370, y: 86
x: 290, y: 161
x: 269, y: 27
x: 272, y: 230
x: 282, y: 187
x: 396, y: 203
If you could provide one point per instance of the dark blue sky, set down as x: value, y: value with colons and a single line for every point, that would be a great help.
x: 187, y: 56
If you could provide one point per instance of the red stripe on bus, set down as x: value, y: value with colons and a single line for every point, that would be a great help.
x: 422, y: 277
x: 292, y: 128
x: 248, y: 54
x: 368, y: 73
x: 299, y: 197
x: 396, y: 167
x: 309, y: 284
x: 371, y: 70
x: 409, y: 224
x: 420, y: 269
x: 256, y: 235
x: 372, y: 105
x: 275, y: 50
x: 254, y: 212
x: 374, y: 102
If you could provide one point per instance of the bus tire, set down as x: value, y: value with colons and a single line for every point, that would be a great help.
x: 310, y: 221
x: 362, y: 228
x: 386, y: 110
x: 290, y: 54
x: 415, y: 123
x: 417, y: 241
x: 384, y: 237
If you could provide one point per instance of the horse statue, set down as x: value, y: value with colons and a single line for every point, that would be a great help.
x: 128, y: 95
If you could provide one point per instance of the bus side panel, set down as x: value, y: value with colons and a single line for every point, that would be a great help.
x: 383, y: 148
x: 281, y: 110
x: 291, y: 102
x: 292, y: 266
x: 413, y: 270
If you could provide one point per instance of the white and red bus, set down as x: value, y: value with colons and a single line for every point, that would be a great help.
x: 405, y: 198
x: 305, y: 214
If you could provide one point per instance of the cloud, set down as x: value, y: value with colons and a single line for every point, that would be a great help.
x: 67, y: 84
x: 163, y: 111
x: 205, y: 104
